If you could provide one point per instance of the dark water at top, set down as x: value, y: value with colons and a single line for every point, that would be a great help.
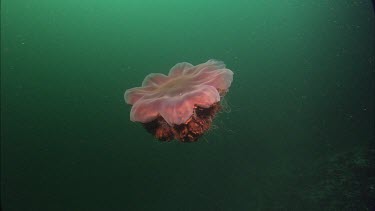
x: 299, y: 134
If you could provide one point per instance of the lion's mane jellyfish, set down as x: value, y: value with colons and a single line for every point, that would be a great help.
x: 182, y: 104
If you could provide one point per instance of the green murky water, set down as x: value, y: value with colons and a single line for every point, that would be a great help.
x: 299, y: 133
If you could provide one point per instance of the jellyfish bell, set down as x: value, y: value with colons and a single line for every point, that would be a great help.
x: 182, y: 104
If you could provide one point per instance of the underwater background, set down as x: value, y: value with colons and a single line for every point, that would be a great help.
x: 297, y: 132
